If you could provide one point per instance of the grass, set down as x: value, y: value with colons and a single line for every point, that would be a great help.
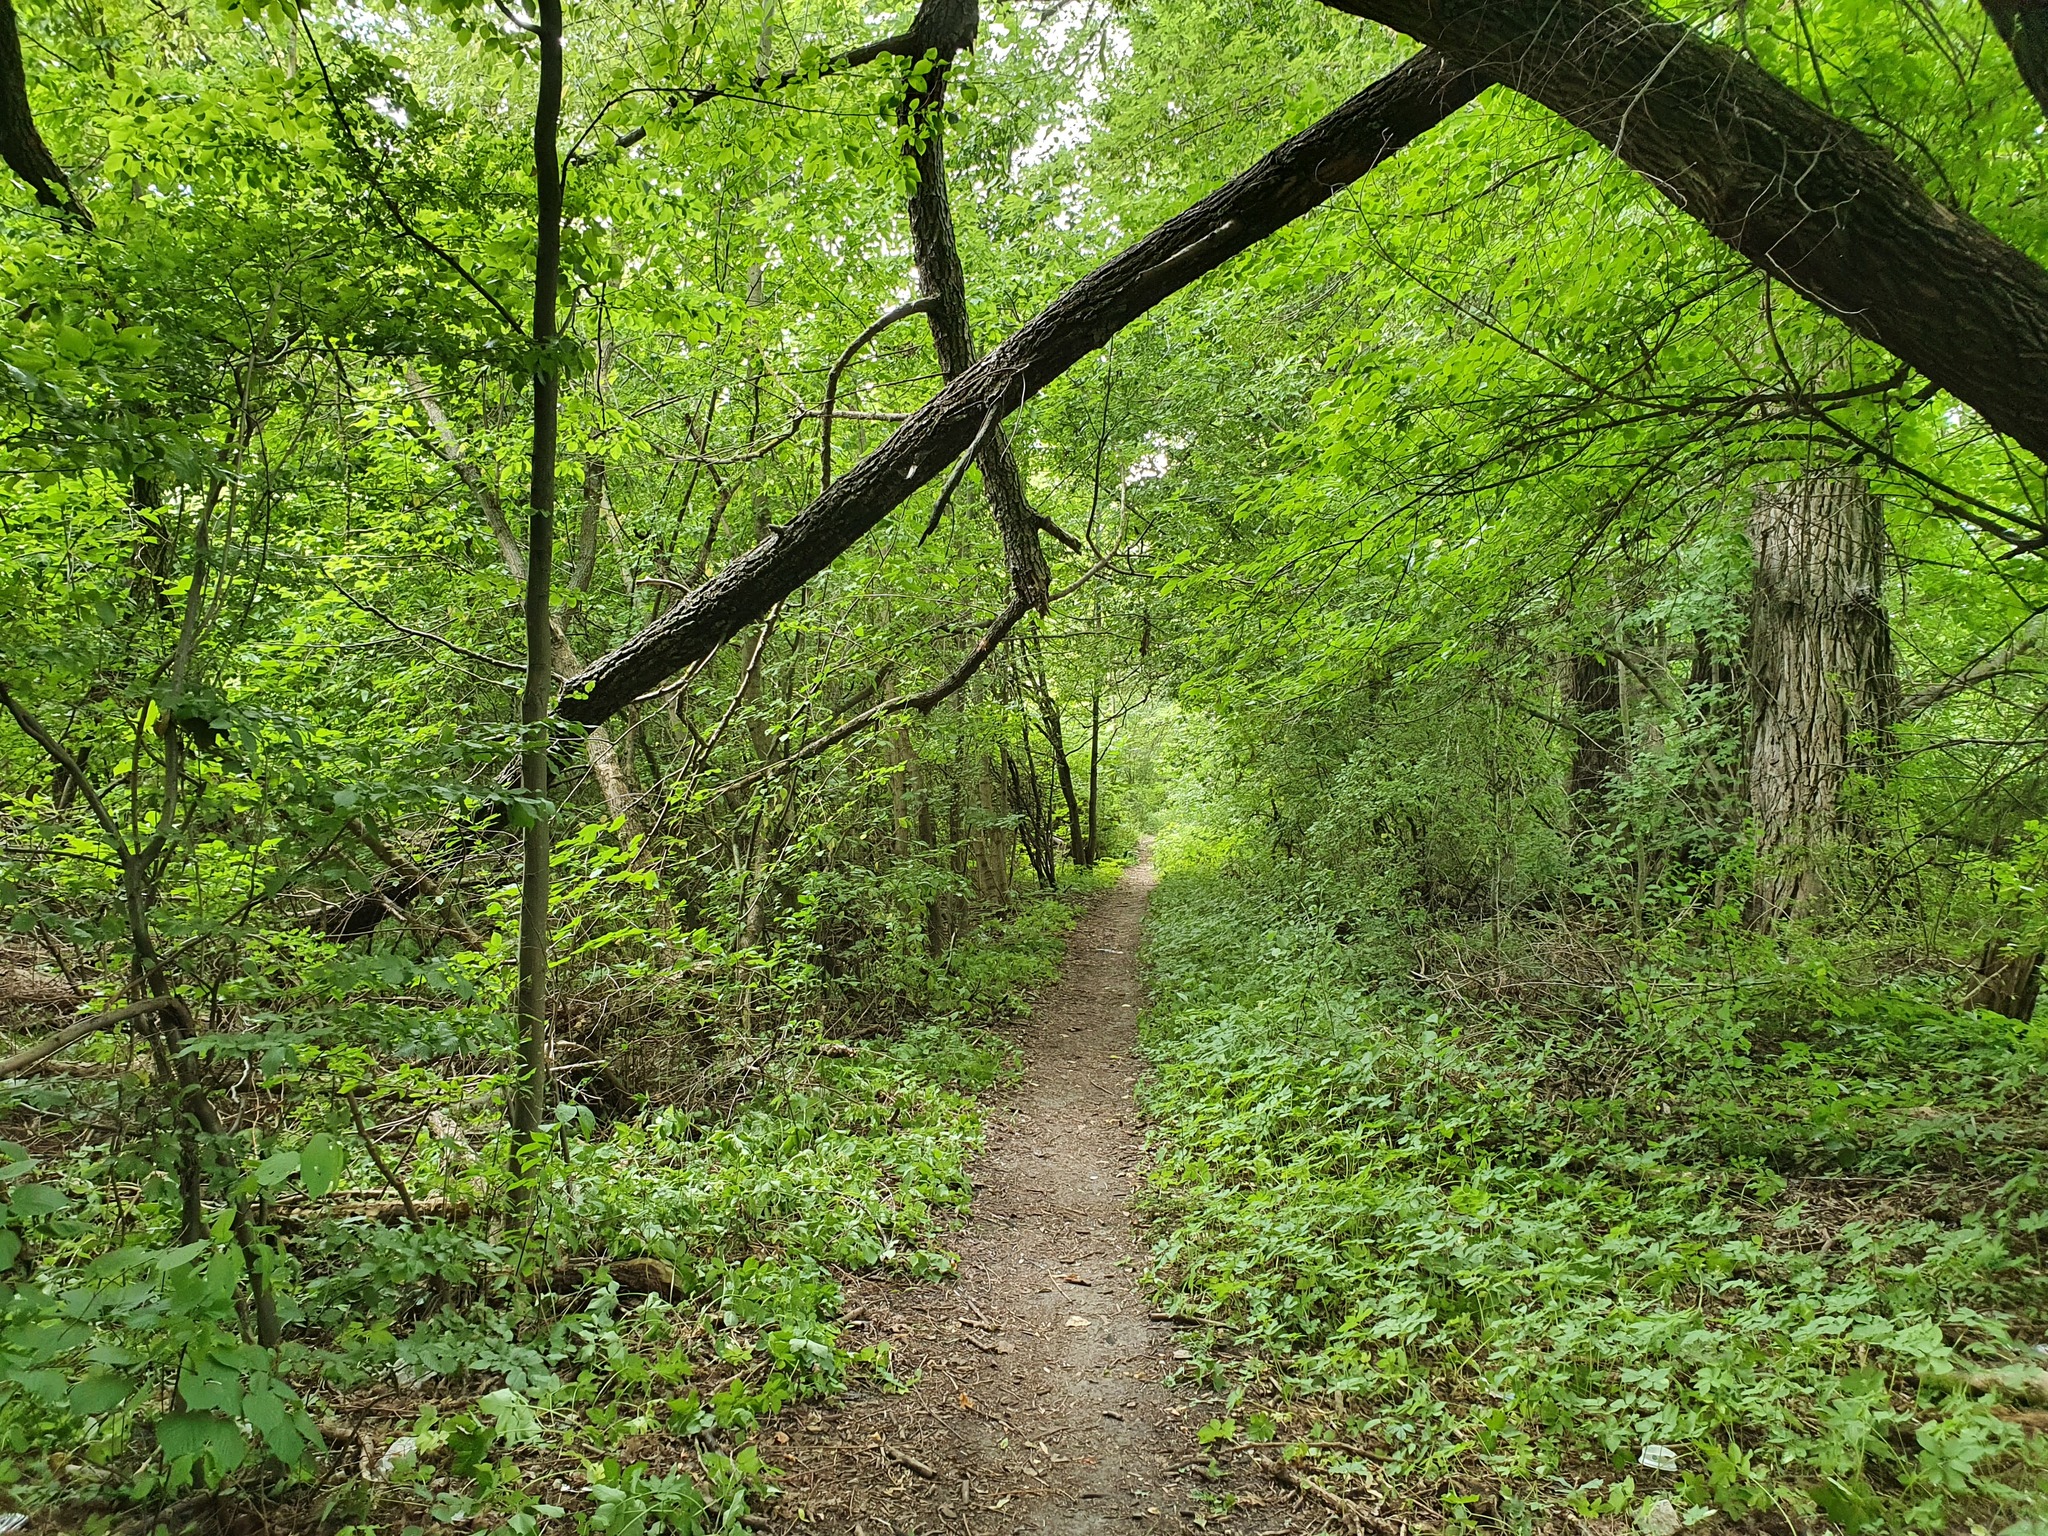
x: 1764, y: 1252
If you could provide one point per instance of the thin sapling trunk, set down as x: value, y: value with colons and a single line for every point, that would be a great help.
x: 529, y: 1098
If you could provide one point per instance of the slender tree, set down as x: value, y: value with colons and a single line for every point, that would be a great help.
x: 529, y: 1101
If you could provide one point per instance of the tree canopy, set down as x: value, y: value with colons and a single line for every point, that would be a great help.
x: 577, y: 577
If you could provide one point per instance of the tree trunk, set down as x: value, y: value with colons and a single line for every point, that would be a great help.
x: 1093, y: 851
x: 2010, y: 981
x: 21, y: 146
x: 1822, y: 687
x: 1063, y: 775
x: 950, y: 26
x: 1592, y: 698
x: 2024, y: 26
x: 1301, y: 174
x: 529, y: 1098
x: 1802, y: 194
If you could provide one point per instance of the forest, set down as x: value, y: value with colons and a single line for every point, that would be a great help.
x: 1260, y: 766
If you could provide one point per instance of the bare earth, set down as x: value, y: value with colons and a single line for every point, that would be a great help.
x: 1040, y: 1404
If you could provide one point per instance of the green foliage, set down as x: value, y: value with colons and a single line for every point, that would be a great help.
x: 1788, y: 1228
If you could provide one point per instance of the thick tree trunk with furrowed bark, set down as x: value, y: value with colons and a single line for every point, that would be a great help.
x: 1823, y: 691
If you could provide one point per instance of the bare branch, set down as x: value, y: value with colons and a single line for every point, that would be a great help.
x: 900, y: 312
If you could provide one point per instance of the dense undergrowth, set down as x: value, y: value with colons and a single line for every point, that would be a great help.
x: 596, y: 1356
x: 1746, y: 1237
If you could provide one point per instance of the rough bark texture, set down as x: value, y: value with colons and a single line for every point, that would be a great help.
x: 949, y: 26
x: 1805, y: 196
x: 21, y: 146
x: 1592, y: 689
x: 2009, y: 981
x: 2024, y: 26
x: 1300, y: 175
x: 1822, y: 687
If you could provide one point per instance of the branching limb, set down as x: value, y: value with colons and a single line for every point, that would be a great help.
x: 426, y: 634
x: 900, y: 312
x: 1301, y: 174
x: 21, y: 146
x: 472, y: 478
x: 1993, y: 663
x: 924, y: 703
x: 1800, y: 193
x: 960, y: 472
x: 31, y: 1057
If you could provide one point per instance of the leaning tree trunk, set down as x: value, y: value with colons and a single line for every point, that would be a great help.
x: 1823, y: 692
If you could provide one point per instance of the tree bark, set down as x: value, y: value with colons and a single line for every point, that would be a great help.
x: 1593, y: 708
x: 1805, y: 196
x: 2009, y: 981
x: 21, y: 145
x: 529, y: 1099
x: 1301, y: 174
x: 1823, y: 692
x: 2024, y: 26
x: 1093, y: 851
x: 949, y: 26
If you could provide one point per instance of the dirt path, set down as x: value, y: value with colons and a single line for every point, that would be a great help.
x: 1040, y: 1405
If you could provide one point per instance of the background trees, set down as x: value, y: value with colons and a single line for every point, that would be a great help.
x: 1545, y: 540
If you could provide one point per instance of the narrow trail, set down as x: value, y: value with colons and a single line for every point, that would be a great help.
x: 1040, y: 1404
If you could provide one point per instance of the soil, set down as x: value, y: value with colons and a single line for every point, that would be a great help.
x: 1039, y: 1399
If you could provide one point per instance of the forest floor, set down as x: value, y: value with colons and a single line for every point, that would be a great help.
x: 1038, y: 1398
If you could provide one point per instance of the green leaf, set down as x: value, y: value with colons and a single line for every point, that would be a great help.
x: 270, y: 1411
x: 277, y: 1167
x: 32, y: 1200
x: 100, y: 1392
x: 320, y: 1164
x: 209, y: 1390
x: 51, y: 1387
x: 202, y: 1438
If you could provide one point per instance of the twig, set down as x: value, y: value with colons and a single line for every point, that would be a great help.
x: 74, y: 1032
x: 425, y: 634
x: 1354, y: 1514
x: 739, y: 694
x: 960, y: 470
x: 905, y: 1459
x: 412, y: 1213
x: 921, y: 306
x: 377, y: 186
x: 924, y: 703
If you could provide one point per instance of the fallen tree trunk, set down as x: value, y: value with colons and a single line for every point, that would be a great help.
x: 1804, y: 195
x: 1301, y: 174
